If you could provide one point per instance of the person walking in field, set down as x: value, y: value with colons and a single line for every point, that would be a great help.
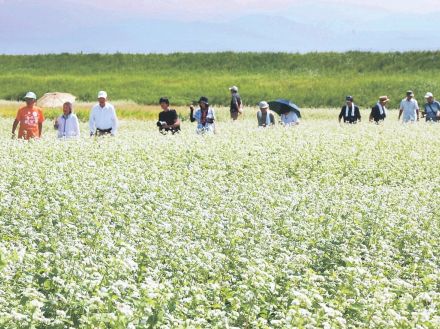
x: 103, y: 119
x: 67, y: 124
x: 204, y: 115
x: 168, y: 119
x: 350, y: 112
x: 379, y: 111
x: 30, y: 118
x: 432, y: 108
x: 236, y: 105
x: 409, y: 107
x: 265, y: 116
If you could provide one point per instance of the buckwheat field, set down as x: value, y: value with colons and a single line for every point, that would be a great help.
x: 316, y: 226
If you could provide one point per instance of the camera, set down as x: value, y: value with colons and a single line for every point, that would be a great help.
x: 160, y: 123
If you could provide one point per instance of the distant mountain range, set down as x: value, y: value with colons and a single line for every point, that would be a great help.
x: 300, y: 28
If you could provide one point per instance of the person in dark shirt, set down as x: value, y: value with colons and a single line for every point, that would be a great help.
x: 379, y: 111
x: 236, y: 106
x: 168, y: 119
x: 350, y: 112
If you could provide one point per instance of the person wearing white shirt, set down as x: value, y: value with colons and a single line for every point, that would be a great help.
x: 409, y: 107
x: 289, y: 119
x: 67, y: 124
x: 103, y: 120
x: 204, y: 115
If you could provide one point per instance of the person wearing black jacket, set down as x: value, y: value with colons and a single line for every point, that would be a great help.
x: 350, y: 112
x: 379, y: 111
x: 168, y: 119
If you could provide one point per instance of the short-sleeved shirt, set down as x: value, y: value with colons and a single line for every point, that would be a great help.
x: 431, y: 110
x: 170, y: 118
x: 409, y: 108
x: 29, y: 118
x: 210, y: 118
x: 235, y: 102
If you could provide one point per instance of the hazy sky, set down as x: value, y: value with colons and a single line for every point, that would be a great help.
x: 107, y: 26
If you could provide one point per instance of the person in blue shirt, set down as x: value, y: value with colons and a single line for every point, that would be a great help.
x: 204, y: 115
x: 432, y: 108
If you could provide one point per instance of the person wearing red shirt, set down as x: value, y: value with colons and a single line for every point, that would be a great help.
x: 30, y: 118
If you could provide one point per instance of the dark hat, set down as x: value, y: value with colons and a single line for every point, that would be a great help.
x: 204, y: 99
x: 349, y: 98
x: 164, y: 100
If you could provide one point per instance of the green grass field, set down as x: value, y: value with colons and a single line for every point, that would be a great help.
x: 311, y: 80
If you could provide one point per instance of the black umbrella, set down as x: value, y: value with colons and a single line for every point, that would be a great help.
x: 281, y: 106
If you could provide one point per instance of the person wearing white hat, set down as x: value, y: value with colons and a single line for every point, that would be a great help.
x: 236, y: 104
x: 432, y: 108
x: 265, y: 116
x: 30, y: 118
x: 409, y: 108
x: 103, y: 119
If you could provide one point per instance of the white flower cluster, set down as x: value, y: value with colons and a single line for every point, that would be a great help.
x: 316, y: 227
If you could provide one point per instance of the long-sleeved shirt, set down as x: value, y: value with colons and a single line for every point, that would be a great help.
x: 67, y: 126
x: 103, y: 118
x: 350, y: 114
x: 378, y: 112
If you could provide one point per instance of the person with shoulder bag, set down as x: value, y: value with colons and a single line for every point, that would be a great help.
x: 432, y: 108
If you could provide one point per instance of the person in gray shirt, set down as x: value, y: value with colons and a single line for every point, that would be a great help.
x: 265, y: 116
x: 432, y: 108
x: 236, y: 105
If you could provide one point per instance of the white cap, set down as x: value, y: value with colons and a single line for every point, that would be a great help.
x: 102, y: 94
x: 428, y: 94
x: 30, y: 95
x: 263, y: 105
x: 234, y: 88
